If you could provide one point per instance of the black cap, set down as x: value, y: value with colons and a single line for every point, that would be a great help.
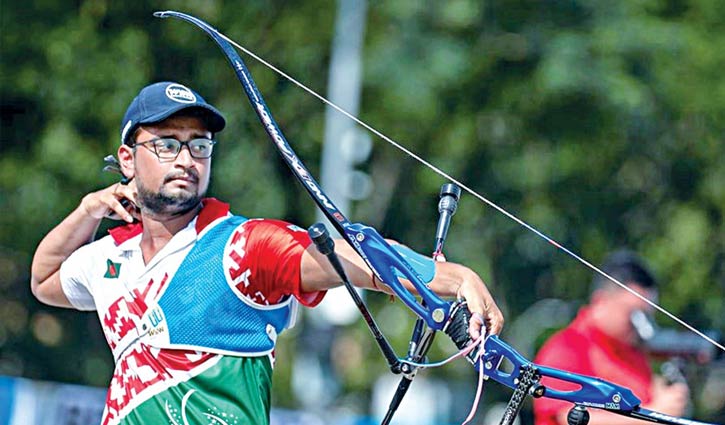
x: 627, y: 267
x: 159, y: 101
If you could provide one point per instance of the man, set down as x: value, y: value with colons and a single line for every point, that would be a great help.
x: 602, y: 342
x: 190, y: 297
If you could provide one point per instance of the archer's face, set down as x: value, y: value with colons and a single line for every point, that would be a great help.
x: 170, y: 186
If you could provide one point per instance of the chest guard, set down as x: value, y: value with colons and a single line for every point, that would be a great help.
x: 199, y: 309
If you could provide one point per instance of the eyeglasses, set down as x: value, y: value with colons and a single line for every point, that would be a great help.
x: 169, y: 148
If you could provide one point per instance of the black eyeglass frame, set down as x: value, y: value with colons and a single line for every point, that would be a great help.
x: 180, y: 146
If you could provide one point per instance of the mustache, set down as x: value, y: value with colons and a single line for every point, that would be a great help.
x: 189, y: 174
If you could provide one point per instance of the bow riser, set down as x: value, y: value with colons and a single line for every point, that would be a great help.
x: 385, y: 262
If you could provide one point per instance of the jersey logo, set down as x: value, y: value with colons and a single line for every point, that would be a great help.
x: 112, y: 269
x: 236, y: 270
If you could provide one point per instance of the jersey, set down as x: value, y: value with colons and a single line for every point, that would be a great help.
x: 584, y: 349
x: 164, y: 373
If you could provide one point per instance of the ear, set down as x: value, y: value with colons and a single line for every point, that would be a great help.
x: 125, y: 158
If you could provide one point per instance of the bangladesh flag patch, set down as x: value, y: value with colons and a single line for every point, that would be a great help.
x: 112, y: 269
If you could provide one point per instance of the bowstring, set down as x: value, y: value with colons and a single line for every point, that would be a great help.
x: 472, y: 192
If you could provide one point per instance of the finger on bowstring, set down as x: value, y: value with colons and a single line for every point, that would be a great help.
x: 130, y: 186
x: 134, y: 210
x: 127, y: 195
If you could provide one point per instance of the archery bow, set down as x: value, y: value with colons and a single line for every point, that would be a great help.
x: 451, y: 317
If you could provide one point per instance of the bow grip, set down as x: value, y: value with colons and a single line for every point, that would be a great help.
x: 384, y: 261
x: 457, y: 329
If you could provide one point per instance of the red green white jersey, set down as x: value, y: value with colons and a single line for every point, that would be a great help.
x: 193, y: 330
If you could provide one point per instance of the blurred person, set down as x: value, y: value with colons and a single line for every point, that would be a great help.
x: 602, y: 342
x: 190, y: 297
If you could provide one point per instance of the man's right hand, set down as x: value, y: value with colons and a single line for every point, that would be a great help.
x: 107, y: 203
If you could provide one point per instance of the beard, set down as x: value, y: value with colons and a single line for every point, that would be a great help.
x: 163, y: 202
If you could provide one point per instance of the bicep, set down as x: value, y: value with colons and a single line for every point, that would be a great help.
x: 275, y: 254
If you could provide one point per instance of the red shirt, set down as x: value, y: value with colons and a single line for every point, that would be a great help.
x: 583, y: 348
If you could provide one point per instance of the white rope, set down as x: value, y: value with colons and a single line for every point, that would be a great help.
x: 479, y: 393
x: 478, y: 359
x: 473, y: 193
x: 460, y: 353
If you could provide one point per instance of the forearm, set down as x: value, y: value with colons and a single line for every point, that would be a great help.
x: 322, y: 275
x: 450, y: 279
x: 446, y: 279
x: 76, y: 230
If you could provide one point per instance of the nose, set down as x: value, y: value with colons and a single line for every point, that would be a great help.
x: 184, y: 158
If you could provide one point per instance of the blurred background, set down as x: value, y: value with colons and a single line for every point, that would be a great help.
x: 600, y: 123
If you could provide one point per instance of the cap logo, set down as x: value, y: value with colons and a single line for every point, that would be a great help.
x: 179, y: 93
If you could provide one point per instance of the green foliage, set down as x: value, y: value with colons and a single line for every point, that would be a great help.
x: 599, y: 123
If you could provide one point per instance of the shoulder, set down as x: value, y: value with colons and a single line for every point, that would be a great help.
x: 98, y: 247
x: 264, y: 242
x: 272, y: 231
x: 265, y: 255
x: 84, y: 260
x: 271, y: 224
